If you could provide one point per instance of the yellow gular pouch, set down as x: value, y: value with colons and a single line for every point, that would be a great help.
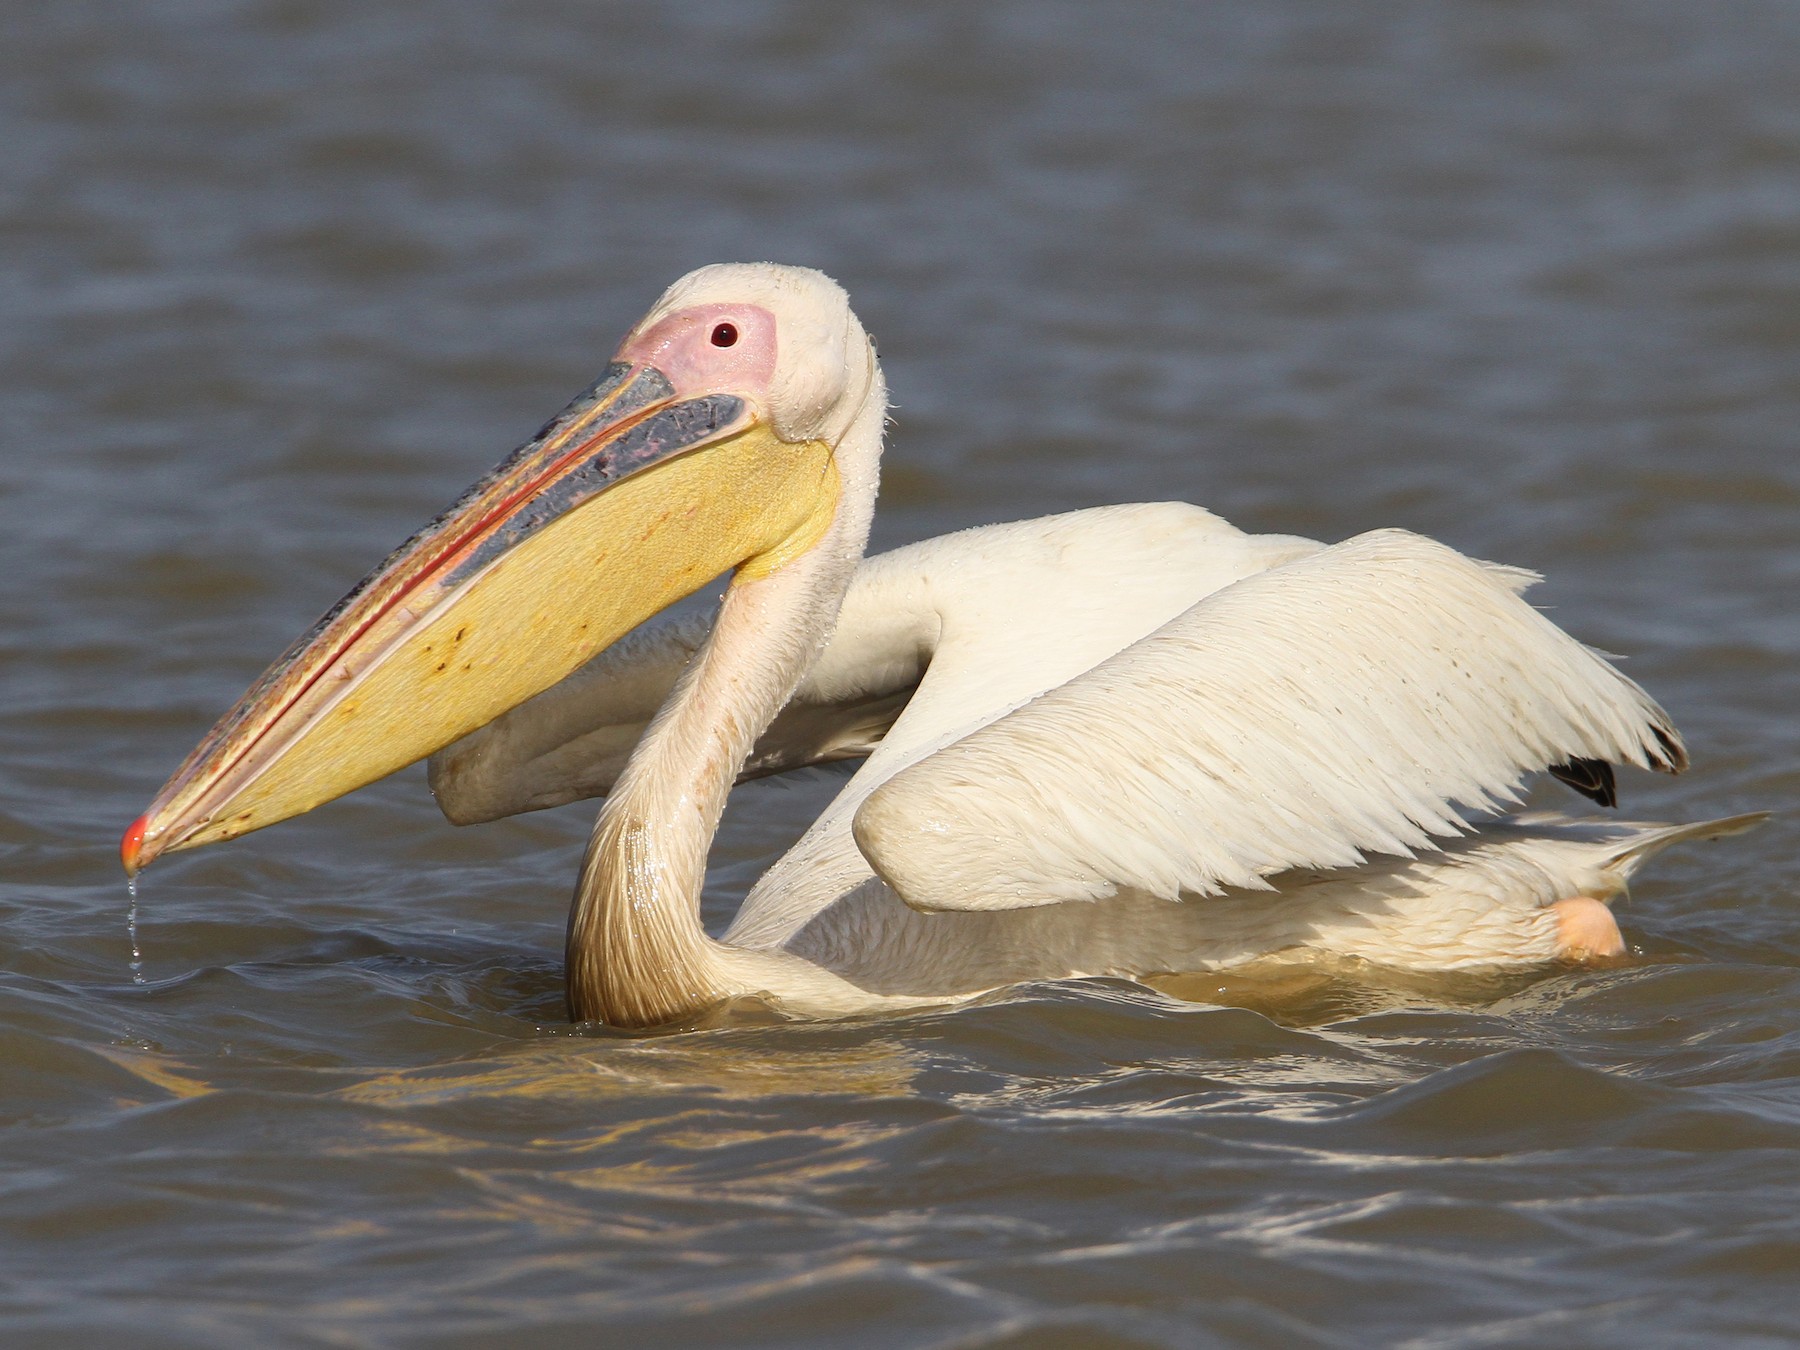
x: 533, y: 615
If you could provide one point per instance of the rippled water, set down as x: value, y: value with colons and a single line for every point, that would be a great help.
x: 282, y: 276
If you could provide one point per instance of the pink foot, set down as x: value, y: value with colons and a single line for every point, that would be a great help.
x: 1586, y: 929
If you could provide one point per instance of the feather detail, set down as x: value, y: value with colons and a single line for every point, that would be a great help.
x: 1592, y: 778
x: 1347, y: 702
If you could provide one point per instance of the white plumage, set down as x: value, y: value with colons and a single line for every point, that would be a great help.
x: 1135, y: 739
x: 1342, y: 702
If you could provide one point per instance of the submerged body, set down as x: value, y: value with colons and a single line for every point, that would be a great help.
x: 938, y: 638
x: 1131, y: 740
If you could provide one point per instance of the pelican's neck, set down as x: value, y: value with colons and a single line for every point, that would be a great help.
x: 636, y: 953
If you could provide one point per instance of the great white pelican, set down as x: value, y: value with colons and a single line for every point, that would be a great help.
x: 1126, y: 740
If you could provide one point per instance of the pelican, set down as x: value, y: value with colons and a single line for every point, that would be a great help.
x: 1125, y: 741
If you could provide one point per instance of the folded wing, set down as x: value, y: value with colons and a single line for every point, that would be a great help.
x: 1344, y: 703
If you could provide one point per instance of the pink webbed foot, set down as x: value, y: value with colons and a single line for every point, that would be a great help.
x: 1586, y: 929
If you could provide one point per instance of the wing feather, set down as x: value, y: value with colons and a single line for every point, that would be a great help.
x: 572, y: 741
x: 1347, y: 702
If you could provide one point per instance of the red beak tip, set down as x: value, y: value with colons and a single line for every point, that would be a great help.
x: 131, y: 844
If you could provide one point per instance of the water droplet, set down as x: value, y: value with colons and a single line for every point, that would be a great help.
x: 137, y: 955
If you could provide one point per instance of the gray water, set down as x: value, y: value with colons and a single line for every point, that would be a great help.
x: 281, y: 277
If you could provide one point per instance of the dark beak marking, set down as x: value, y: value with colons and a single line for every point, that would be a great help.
x: 664, y: 433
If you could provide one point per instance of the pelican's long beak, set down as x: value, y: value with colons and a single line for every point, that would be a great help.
x: 629, y: 500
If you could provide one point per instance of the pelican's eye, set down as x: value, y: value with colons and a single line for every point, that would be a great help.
x: 724, y: 335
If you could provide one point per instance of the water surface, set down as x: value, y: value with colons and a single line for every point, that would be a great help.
x: 282, y: 276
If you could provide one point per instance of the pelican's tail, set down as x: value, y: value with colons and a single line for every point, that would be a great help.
x: 1638, y: 843
x: 1522, y: 889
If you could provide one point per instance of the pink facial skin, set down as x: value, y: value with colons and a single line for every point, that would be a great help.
x: 709, y: 349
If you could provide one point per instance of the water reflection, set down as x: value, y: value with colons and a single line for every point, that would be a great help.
x: 578, y: 1068
x: 1318, y: 993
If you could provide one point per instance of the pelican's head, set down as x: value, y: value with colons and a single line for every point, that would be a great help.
x: 735, y: 429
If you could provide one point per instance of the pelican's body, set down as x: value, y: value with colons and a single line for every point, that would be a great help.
x: 1129, y: 740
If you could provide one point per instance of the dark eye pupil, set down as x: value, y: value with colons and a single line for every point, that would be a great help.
x: 724, y: 335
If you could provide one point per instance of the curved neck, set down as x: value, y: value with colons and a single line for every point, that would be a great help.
x: 636, y: 953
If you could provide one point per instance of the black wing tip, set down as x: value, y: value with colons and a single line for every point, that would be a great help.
x: 1592, y: 778
x: 1669, y: 755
